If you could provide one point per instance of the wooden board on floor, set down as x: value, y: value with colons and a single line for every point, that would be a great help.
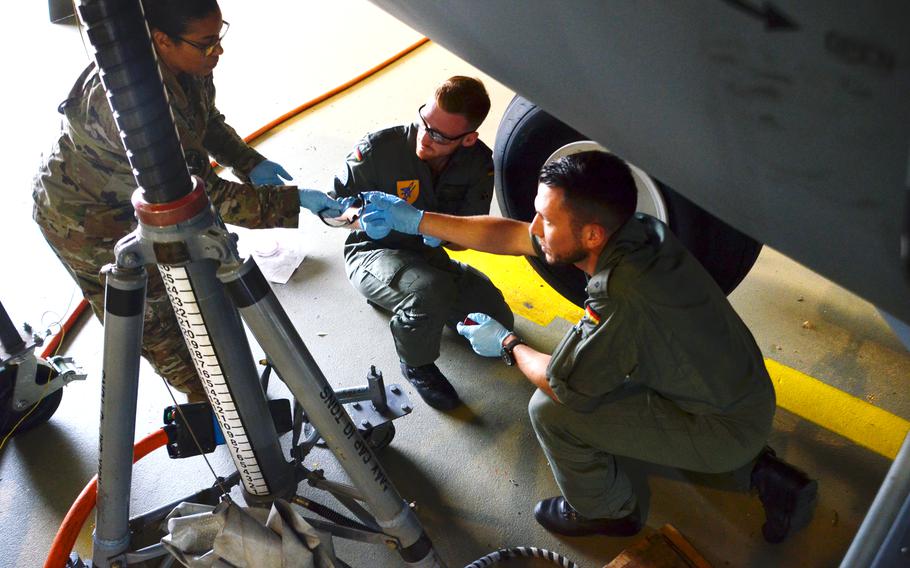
x: 666, y: 548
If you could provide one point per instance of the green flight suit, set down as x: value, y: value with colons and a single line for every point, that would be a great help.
x: 660, y: 368
x: 82, y: 198
x: 422, y: 287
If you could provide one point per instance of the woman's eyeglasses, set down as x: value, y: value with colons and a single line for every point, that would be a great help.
x: 208, y: 49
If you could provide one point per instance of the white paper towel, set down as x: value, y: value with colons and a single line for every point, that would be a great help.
x: 278, y: 252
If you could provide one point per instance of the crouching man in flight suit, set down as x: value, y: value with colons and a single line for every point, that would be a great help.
x: 437, y: 164
x: 660, y: 368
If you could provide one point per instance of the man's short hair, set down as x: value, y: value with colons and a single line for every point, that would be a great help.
x: 598, y: 187
x: 465, y: 96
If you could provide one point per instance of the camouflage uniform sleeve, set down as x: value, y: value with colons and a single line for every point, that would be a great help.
x: 223, y: 142
x: 244, y: 204
x: 480, y: 193
x: 357, y: 173
x: 254, y: 206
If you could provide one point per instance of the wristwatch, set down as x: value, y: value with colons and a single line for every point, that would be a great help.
x: 507, y: 348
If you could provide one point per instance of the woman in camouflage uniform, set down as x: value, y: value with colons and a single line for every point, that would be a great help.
x: 82, y: 191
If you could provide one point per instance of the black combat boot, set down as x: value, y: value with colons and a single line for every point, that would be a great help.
x: 557, y: 516
x: 786, y: 493
x: 432, y: 386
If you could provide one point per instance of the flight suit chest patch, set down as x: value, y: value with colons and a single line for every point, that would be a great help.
x: 408, y: 189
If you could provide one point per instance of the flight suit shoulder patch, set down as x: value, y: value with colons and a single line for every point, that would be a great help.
x: 597, y: 285
x: 408, y: 189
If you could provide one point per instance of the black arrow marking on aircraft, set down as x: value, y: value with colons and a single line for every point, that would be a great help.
x: 773, y: 18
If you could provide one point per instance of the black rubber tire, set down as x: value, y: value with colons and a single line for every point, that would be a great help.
x: 381, y: 436
x: 47, y: 406
x: 528, y: 135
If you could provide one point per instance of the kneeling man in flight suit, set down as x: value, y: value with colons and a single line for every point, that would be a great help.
x: 436, y: 163
x: 660, y: 368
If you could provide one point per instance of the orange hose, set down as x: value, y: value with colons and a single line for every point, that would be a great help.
x: 69, y: 530
x: 335, y: 91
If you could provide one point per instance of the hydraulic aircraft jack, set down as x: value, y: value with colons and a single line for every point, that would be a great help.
x: 210, y: 288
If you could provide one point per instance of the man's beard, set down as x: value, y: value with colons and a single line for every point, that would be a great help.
x: 569, y: 258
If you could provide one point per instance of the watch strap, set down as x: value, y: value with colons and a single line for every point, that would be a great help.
x: 510, y: 345
x: 507, y: 356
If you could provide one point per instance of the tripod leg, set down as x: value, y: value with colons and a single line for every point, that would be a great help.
x: 217, y: 343
x: 297, y: 368
x: 124, y: 307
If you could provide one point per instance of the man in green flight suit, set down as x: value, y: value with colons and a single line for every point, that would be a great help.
x: 436, y: 164
x: 82, y: 191
x: 660, y: 368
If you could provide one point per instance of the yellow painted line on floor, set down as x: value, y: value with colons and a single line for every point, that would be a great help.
x: 807, y: 397
x: 837, y: 411
x: 527, y: 294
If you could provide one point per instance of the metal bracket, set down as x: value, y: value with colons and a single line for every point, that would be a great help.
x: 366, y: 415
x: 28, y: 391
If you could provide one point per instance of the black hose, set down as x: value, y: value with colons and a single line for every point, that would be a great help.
x: 522, y: 551
x: 129, y: 72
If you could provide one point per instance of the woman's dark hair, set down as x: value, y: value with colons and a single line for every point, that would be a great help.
x: 174, y: 16
x: 598, y: 187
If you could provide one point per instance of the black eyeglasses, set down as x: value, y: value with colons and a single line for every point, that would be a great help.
x: 435, y: 135
x: 208, y: 49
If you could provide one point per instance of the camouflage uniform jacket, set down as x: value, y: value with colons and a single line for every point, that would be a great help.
x: 84, y: 187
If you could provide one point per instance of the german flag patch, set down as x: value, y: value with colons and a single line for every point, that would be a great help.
x: 592, y: 315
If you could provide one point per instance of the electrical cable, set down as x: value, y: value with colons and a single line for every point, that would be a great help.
x: 56, y: 341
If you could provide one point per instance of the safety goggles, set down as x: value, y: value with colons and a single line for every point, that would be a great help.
x: 435, y: 135
x: 208, y: 49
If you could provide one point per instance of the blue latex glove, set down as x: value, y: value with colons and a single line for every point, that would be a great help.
x: 431, y: 241
x: 318, y: 202
x: 384, y: 213
x: 266, y: 172
x: 374, y: 224
x: 486, y: 335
